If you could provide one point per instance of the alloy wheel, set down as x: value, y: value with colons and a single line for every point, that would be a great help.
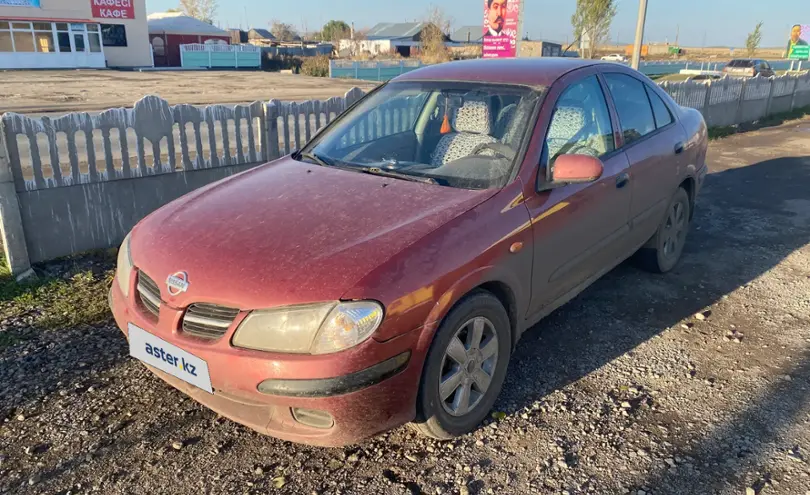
x: 468, y: 366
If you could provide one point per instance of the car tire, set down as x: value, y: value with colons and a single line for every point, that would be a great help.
x: 662, y: 253
x: 444, y: 419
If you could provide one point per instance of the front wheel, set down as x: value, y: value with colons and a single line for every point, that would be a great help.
x: 664, y: 250
x: 465, y: 368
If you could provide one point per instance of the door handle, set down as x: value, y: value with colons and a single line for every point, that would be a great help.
x: 622, y: 180
x: 679, y: 148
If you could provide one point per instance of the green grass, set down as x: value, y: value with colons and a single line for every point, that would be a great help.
x: 77, y: 297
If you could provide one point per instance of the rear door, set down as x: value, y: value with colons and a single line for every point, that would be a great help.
x: 579, y: 228
x: 654, y: 145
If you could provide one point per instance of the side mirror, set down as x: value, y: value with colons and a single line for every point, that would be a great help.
x: 576, y: 169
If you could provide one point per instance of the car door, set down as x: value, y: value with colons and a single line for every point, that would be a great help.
x: 653, y: 143
x: 577, y: 228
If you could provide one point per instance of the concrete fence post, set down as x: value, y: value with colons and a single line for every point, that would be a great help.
x: 707, y: 101
x: 772, y: 81
x: 793, y: 93
x: 11, y: 225
x: 741, y: 102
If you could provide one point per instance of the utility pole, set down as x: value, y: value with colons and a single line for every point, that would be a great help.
x: 642, y: 18
x: 519, y: 40
x: 677, y: 34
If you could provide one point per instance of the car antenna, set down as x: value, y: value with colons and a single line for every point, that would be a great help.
x: 446, y: 128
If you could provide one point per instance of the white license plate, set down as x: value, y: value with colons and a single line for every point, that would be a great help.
x: 169, y: 358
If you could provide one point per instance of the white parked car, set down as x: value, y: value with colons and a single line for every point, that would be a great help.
x: 615, y: 58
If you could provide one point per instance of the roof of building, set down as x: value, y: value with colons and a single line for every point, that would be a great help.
x: 468, y: 34
x: 387, y: 30
x: 177, y: 23
x: 262, y: 34
x: 535, y: 71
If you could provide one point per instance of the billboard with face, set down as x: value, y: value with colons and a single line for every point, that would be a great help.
x: 797, y: 47
x: 501, y: 21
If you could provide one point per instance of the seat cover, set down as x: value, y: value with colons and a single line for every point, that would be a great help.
x: 472, y: 123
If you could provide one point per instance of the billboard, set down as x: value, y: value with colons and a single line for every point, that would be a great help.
x: 501, y: 23
x: 797, y: 46
x: 19, y: 3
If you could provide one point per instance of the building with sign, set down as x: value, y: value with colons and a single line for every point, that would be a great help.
x: 69, y: 34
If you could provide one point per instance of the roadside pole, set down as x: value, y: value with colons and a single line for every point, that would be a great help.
x: 519, y: 40
x: 642, y: 17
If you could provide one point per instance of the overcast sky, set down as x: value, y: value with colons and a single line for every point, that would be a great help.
x: 718, y: 22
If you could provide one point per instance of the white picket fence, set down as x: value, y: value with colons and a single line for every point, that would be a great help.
x: 732, y: 101
x: 41, y: 157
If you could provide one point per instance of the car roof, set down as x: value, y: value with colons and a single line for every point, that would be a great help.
x: 539, y: 71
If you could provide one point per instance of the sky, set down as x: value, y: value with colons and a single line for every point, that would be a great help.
x: 698, y: 22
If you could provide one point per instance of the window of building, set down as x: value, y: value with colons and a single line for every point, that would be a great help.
x: 78, y: 40
x: 45, y: 42
x: 6, y: 44
x: 95, y: 42
x: 24, y: 41
x: 49, y: 37
x: 113, y: 35
x: 64, y: 42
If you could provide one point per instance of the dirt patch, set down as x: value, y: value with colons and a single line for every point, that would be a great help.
x: 95, y: 90
x: 624, y: 390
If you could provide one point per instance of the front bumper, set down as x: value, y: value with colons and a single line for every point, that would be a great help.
x: 366, y: 390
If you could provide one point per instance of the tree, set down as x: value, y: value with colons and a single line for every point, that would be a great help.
x: 591, y: 22
x: 753, y: 40
x: 434, y: 35
x: 335, y: 31
x: 204, y: 10
x: 282, y: 31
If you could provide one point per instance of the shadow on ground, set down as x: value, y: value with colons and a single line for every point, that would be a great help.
x: 747, y: 221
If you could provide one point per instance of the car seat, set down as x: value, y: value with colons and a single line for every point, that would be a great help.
x: 472, y: 123
x: 567, y: 126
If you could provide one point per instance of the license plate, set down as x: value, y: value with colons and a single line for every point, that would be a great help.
x: 169, y: 358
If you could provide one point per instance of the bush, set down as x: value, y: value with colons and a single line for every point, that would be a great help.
x: 316, y: 66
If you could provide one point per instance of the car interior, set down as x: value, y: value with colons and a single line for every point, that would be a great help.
x: 459, y: 137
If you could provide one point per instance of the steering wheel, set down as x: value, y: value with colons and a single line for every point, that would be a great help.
x: 500, y: 149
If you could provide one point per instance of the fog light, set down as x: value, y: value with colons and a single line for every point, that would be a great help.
x: 313, y: 418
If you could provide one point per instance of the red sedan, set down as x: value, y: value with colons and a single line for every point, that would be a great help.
x: 384, y: 273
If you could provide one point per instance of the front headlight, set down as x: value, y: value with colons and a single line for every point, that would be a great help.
x: 311, y: 328
x: 124, y: 269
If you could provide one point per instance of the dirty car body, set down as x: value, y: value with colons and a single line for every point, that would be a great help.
x: 383, y: 274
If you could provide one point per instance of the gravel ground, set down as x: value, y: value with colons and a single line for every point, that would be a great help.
x: 690, y: 383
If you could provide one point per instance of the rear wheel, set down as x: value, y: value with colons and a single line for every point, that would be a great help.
x: 664, y: 250
x: 465, y: 368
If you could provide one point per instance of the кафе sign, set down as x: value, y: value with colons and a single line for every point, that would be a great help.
x: 113, y: 9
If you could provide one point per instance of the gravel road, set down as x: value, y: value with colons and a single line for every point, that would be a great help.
x: 690, y: 383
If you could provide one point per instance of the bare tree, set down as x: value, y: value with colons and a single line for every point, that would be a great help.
x: 282, y: 31
x: 591, y: 22
x: 204, y: 10
x: 434, y: 35
x: 753, y: 40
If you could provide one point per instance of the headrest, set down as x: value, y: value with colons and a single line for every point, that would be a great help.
x: 473, y: 116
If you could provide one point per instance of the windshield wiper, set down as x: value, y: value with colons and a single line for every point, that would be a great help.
x: 314, y: 158
x: 396, y: 175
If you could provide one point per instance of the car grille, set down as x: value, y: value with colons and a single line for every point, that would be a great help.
x: 208, y: 321
x: 149, y: 294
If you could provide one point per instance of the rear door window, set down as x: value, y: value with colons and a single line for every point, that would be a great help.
x: 662, y: 115
x: 632, y: 105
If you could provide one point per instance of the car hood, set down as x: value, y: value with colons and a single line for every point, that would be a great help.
x: 288, y: 233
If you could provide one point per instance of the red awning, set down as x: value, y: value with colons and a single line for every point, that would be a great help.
x: 47, y: 19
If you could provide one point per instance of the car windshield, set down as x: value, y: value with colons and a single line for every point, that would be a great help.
x: 452, y: 134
